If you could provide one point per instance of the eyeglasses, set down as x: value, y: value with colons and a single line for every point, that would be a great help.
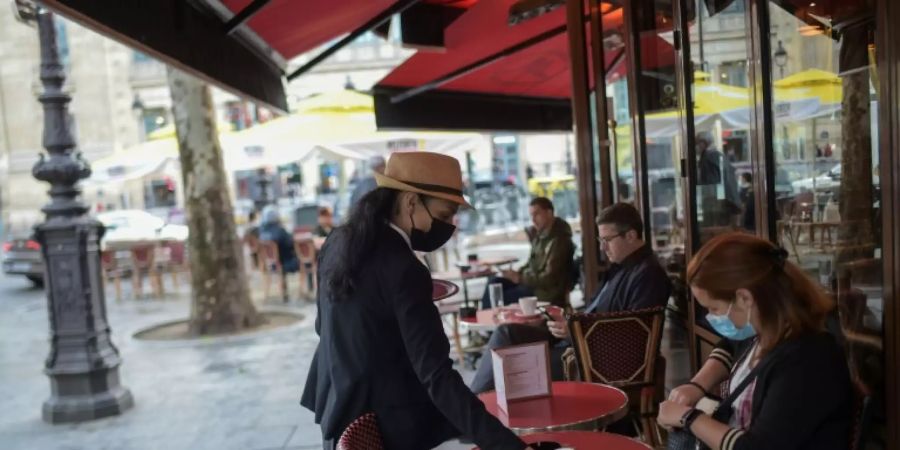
x: 607, y: 239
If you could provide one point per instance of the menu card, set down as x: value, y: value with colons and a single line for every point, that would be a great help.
x: 521, y: 372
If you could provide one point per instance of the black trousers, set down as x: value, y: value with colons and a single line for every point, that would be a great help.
x: 514, y: 334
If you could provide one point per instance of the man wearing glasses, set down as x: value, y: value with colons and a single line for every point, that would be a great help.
x: 635, y: 281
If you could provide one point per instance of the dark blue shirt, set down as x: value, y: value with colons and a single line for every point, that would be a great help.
x: 638, y: 282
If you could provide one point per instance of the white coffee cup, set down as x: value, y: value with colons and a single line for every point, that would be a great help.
x: 528, y: 305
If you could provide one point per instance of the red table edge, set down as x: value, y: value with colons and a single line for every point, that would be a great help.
x: 611, y: 417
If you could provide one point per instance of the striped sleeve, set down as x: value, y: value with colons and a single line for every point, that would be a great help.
x: 730, y: 439
x: 724, y: 357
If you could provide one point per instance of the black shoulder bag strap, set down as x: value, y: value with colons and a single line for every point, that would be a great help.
x: 725, y: 409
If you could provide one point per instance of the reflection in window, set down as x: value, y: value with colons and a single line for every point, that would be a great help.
x: 721, y: 115
x: 826, y: 151
x: 662, y: 141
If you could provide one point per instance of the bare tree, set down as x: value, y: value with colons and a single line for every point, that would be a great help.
x: 221, y: 299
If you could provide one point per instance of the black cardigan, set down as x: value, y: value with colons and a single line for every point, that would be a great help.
x: 802, y: 400
x: 382, y: 349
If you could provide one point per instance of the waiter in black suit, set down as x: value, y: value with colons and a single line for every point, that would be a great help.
x: 382, y: 345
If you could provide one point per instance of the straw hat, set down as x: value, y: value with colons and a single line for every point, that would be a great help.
x: 427, y: 173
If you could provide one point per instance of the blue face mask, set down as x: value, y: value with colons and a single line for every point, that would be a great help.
x: 725, y: 327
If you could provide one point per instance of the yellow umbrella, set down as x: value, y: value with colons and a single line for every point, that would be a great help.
x: 808, y: 77
x: 817, y: 84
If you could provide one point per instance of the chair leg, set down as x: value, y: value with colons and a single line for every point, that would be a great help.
x: 118, y: 285
x: 137, y: 284
x: 159, y: 289
x: 265, y: 276
x: 457, y: 341
x: 301, y: 275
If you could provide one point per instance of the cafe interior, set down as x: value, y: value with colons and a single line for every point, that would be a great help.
x: 801, y: 99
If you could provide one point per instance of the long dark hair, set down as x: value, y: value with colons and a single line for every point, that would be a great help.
x: 358, y: 236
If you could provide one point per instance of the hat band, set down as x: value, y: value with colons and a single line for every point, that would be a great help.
x: 435, y: 188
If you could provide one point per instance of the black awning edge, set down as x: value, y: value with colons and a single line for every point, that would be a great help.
x: 179, y: 34
x: 463, y: 111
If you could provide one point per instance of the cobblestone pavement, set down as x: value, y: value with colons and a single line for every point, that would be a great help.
x: 238, y: 392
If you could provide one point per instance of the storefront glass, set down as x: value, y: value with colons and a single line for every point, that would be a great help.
x: 662, y: 144
x: 722, y: 103
x: 825, y: 139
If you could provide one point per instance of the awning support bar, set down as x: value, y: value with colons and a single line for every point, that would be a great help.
x: 431, y: 85
x: 376, y: 21
x: 244, y: 15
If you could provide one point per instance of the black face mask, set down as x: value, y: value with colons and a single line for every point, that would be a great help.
x: 438, y: 235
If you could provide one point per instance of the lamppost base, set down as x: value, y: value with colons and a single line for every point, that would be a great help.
x: 86, y: 396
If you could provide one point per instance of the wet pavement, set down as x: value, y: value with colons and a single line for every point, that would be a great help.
x: 238, y: 392
x: 224, y: 393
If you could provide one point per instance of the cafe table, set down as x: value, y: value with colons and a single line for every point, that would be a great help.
x: 571, y: 406
x: 587, y: 440
x: 490, y: 319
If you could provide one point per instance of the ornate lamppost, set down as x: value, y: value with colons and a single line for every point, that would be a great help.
x: 83, y: 364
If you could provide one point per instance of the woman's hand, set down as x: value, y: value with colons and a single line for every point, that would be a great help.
x: 670, y: 414
x: 686, y: 394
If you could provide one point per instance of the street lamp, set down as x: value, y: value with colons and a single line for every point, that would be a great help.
x: 83, y: 364
x: 780, y: 57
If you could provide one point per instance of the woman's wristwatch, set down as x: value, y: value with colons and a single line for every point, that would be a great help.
x: 689, y: 417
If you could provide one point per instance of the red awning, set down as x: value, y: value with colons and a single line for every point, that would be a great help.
x: 541, y: 70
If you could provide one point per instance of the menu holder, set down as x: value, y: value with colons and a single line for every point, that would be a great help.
x: 521, y: 372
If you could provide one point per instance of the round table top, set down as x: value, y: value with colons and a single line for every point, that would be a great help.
x: 572, y: 405
x: 587, y: 440
x: 490, y: 319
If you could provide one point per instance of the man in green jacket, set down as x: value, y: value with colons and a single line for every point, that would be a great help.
x: 549, y: 272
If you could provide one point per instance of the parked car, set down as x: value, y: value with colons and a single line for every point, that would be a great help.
x: 136, y: 225
x: 22, y: 257
x: 827, y: 181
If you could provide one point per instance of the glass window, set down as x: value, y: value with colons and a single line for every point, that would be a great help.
x: 721, y: 116
x: 160, y: 193
x: 825, y: 140
x: 656, y: 87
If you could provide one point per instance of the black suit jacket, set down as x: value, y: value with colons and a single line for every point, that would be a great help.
x: 383, y: 349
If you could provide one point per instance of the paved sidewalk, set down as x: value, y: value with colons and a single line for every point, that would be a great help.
x: 226, y: 393
x: 237, y: 392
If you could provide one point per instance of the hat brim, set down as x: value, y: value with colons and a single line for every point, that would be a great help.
x: 390, y: 183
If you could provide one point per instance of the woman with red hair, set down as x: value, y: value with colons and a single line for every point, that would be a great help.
x: 787, y: 381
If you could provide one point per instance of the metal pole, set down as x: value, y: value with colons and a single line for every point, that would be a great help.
x: 83, y: 365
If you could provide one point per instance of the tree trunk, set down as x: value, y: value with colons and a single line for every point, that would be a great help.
x: 856, y: 192
x: 220, y: 296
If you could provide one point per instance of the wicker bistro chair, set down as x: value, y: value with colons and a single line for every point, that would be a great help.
x: 362, y: 434
x: 270, y: 263
x: 176, y: 260
x: 112, y: 273
x: 622, y: 350
x: 143, y: 260
x: 306, y: 253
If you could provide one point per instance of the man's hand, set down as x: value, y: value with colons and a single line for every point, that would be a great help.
x: 558, y: 329
x: 512, y: 275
